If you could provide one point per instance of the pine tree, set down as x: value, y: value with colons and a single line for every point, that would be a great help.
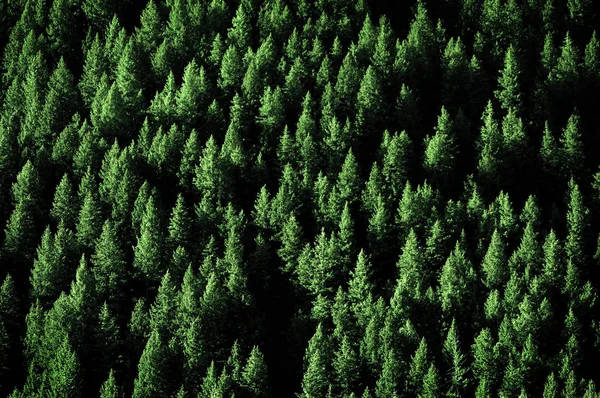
x: 108, y: 340
x: 572, y: 152
x: 418, y: 368
x: 509, y: 92
x: 89, y: 224
x: 346, y: 366
x: 109, y: 265
x: 484, y: 366
x: 63, y: 209
x: 192, y: 94
x: 64, y: 377
x: 441, y: 151
x: 431, y: 383
x: 457, y: 281
x: 180, y: 225
x: 150, y: 33
x: 577, y: 226
x: 151, y: 378
x: 109, y: 388
x: 387, y: 384
x: 255, y: 374
x: 315, y: 379
x: 147, y: 253
x: 370, y: 106
x: 94, y: 66
x: 490, y: 146
x: 395, y: 162
x: 348, y: 179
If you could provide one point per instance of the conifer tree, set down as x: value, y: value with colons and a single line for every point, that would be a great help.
x: 440, y: 151
x: 109, y: 388
x: 346, y: 366
x: 63, y: 209
x: 151, y: 379
x: 370, y: 106
x: 64, y: 377
x: 572, y: 148
x: 147, y: 253
x: 395, y: 162
x: 89, y: 224
x: 509, y: 93
x: 109, y: 265
x: 255, y: 374
x: 20, y: 229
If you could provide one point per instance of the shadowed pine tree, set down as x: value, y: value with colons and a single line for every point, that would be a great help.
x: 387, y: 384
x: 271, y: 117
x: 361, y: 289
x: 549, y: 152
x: 419, y: 366
x: 291, y: 244
x: 48, y: 278
x: 151, y: 377
x: 384, y: 53
x: 414, y: 55
x: 457, y: 284
x: 370, y: 104
x: 64, y: 378
x: 107, y: 341
x: 349, y: 180
x: 110, y: 270
x: 180, y: 225
x: 149, y: 34
x: 349, y: 82
x: 577, y: 227
x: 572, y: 155
x: 231, y: 72
x: 456, y: 363
x: 255, y: 375
x: 60, y: 104
x: 485, y: 366
x: 551, y: 387
x: 564, y: 76
x: 190, y: 159
x: 455, y: 67
x: 64, y: 209
x: 591, y: 60
x: 346, y: 366
x: 440, y: 152
x: 431, y: 383
x: 193, y: 94
x: 490, y: 145
x: 139, y: 325
x: 20, y: 236
x: 109, y: 388
x: 315, y: 379
x: 94, y: 66
x: 89, y: 224
x: 509, y: 91
x: 395, y: 164
x: 147, y: 258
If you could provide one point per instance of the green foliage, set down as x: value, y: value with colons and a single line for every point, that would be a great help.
x: 140, y: 137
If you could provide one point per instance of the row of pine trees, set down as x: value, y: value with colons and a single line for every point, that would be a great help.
x: 299, y: 198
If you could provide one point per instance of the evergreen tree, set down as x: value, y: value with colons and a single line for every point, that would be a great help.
x: 151, y: 379
x: 509, y: 93
x: 147, y: 253
x: 110, y: 388
x: 441, y: 151
x: 64, y: 377
x: 255, y: 374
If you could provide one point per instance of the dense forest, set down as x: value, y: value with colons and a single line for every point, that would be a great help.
x: 282, y: 198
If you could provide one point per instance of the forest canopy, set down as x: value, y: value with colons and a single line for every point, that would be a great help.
x: 279, y: 198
